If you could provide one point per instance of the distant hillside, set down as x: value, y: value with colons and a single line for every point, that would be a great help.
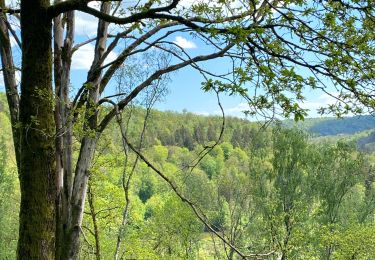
x: 187, y: 129
x: 348, y: 125
x: 180, y: 129
x: 334, y: 126
x: 358, y: 128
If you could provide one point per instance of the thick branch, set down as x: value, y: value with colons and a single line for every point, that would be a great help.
x: 10, y: 11
x: 81, y: 5
x: 154, y: 13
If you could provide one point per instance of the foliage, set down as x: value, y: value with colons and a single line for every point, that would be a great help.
x: 271, y: 190
x: 266, y: 190
x: 9, y: 192
x: 276, y: 191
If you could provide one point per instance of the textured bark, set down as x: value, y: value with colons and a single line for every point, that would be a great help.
x: 88, y: 145
x: 71, y: 242
x: 37, y: 152
x: 62, y: 63
x: 58, y: 31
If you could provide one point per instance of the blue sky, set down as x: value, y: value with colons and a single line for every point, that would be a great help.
x: 185, y: 85
x: 185, y: 88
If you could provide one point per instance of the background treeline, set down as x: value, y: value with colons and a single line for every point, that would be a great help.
x: 266, y: 190
x: 334, y: 126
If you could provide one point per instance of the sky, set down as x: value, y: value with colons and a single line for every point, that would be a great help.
x: 184, y: 89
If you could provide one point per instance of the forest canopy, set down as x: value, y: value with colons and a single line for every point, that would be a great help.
x: 274, y: 191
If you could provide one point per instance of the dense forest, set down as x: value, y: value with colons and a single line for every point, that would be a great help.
x: 278, y: 191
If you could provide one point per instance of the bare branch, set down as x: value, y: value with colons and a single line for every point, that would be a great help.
x: 14, y: 34
x: 156, y: 75
x: 114, y: 65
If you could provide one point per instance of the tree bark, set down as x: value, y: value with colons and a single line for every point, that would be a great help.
x: 37, y: 148
x: 71, y: 242
x: 58, y: 30
x: 64, y: 174
x: 88, y: 145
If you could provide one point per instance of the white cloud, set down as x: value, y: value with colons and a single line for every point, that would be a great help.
x: 312, y: 105
x: 202, y: 113
x: 184, y: 43
x: 322, y: 101
x: 83, y: 57
x: 236, y: 111
x: 95, y: 4
x: 240, y: 108
x: 86, y: 24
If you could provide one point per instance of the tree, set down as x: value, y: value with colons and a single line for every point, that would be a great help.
x: 337, y: 170
x: 279, y: 47
x: 291, y: 198
x: 235, y: 204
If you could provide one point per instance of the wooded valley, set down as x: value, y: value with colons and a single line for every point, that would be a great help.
x: 278, y: 191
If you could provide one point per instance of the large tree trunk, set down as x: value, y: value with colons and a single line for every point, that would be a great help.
x: 37, y: 153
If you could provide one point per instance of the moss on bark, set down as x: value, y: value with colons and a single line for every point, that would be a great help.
x: 37, y: 159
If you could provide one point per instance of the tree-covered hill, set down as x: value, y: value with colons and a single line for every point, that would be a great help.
x: 187, y: 129
x: 357, y: 128
x: 347, y: 125
x: 266, y: 190
x: 335, y: 126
